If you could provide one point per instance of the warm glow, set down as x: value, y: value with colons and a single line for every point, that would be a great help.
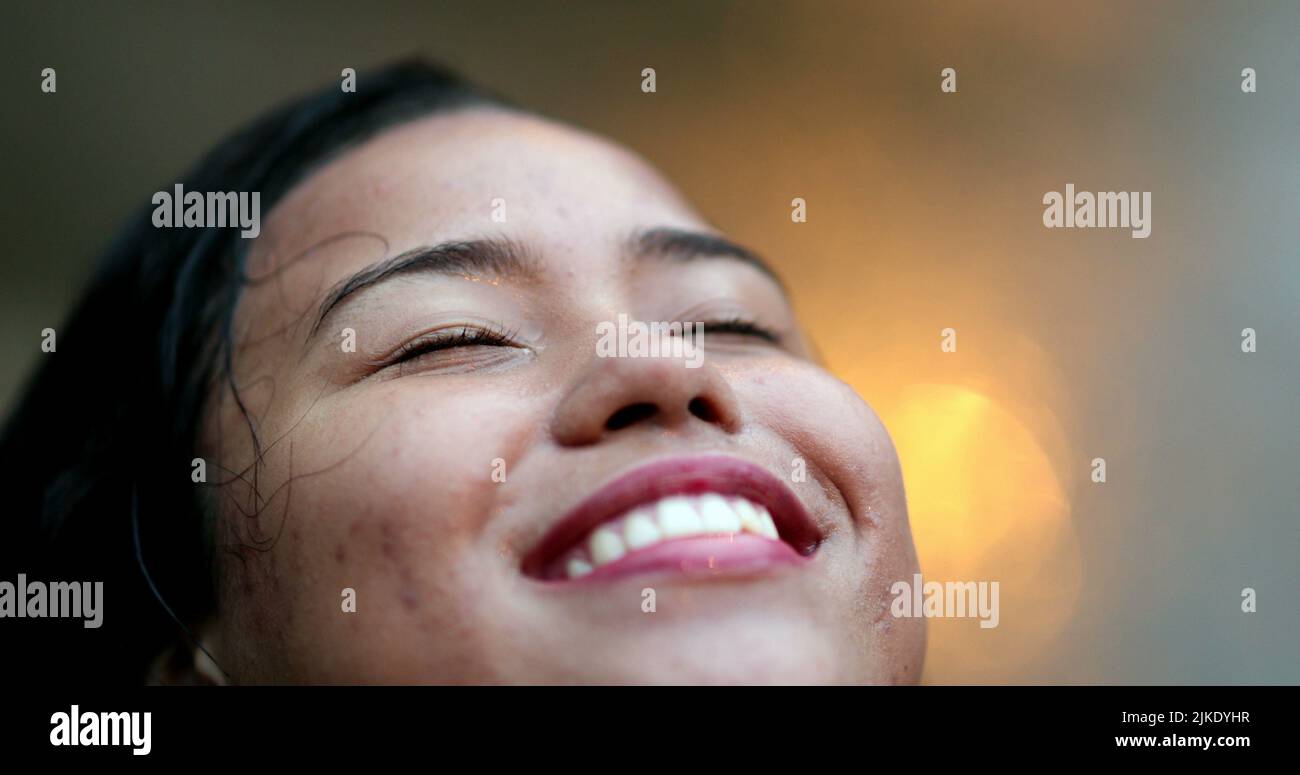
x: 985, y: 505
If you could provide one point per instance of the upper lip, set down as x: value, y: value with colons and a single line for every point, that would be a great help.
x: 691, y: 475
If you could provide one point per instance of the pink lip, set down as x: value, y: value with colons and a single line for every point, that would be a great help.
x: 700, y: 554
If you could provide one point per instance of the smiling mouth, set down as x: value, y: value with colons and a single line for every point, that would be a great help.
x: 701, y: 515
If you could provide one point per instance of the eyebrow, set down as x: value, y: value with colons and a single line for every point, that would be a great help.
x: 509, y: 260
x: 499, y: 257
x: 682, y: 245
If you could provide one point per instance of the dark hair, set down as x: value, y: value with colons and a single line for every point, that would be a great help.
x: 96, y: 457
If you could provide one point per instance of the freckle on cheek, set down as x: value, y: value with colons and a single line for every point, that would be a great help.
x: 390, y: 544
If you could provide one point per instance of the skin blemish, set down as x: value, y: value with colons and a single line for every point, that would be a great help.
x: 391, y: 547
x: 389, y: 544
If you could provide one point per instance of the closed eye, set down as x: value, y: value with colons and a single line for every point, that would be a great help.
x: 742, y: 327
x: 464, y: 336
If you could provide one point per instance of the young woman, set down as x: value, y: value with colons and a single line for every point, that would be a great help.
x: 383, y: 440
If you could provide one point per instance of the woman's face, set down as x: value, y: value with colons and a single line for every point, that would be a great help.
x: 446, y: 447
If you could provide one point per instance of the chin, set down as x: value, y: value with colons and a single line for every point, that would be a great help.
x: 741, y: 650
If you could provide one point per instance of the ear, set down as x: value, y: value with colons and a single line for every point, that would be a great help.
x: 184, y: 664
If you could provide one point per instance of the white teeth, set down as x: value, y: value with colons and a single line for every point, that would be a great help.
x: 766, y: 526
x: 640, y: 530
x: 716, y: 516
x: 677, y: 518
x: 605, y: 547
x: 748, y: 514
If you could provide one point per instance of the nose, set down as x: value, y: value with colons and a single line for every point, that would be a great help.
x: 617, y: 395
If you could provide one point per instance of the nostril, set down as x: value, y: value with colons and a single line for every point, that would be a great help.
x: 703, y: 410
x: 630, y: 415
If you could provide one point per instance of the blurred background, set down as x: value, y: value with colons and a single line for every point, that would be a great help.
x: 924, y: 212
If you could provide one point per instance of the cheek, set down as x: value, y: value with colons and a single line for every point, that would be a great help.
x: 381, y: 498
x: 847, y: 448
x: 826, y: 421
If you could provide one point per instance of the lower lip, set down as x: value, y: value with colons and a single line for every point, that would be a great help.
x: 701, y: 556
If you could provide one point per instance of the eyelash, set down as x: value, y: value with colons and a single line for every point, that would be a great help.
x: 467, y: 336
x: 744, y: 327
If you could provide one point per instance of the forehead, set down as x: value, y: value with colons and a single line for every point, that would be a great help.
x: 472, y: 173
